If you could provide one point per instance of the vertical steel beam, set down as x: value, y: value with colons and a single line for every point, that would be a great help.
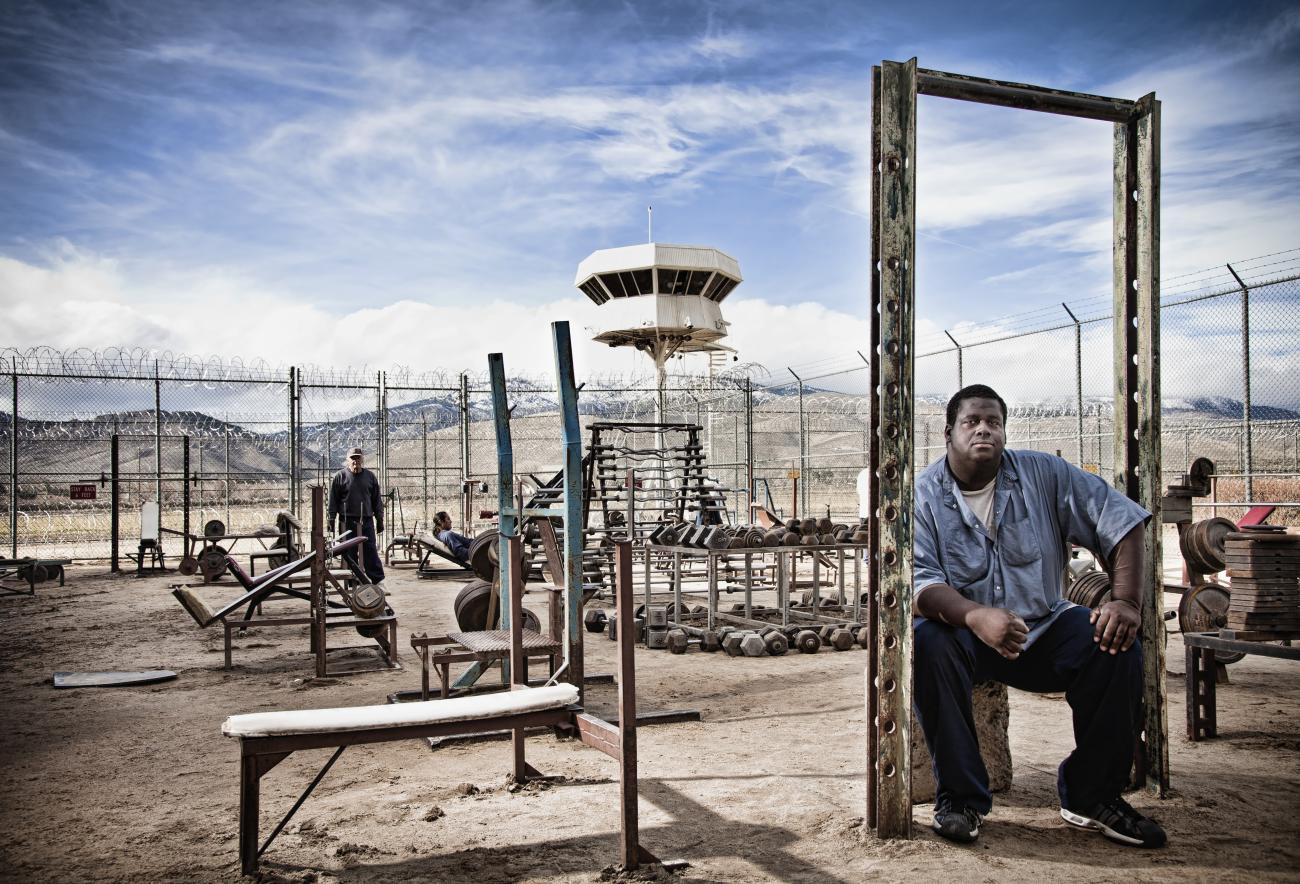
x: 873, y: 461
x: 508, y: 521
x: 573, y: 534
x: 896, y: 234
x: 1137, y: 397
x: 629, y: 827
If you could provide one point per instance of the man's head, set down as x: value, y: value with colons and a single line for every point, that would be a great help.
x: 976, y: 425
x: 356, y: 460
x: 442, y: 520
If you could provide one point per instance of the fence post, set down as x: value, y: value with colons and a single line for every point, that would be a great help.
x: 960, y: 368
x: 1248, y: 467
x: 803, y: 457
x: 227, y: 490
x: 185, y: 485
x: 749, y: 438
x: 1078, y: 378
x: 466, y: 520
x: 292, y: 451
x: 13, y: 466
x: 157, y: 435
x: 115, y: 502
x: 381, y: 428
x: 424, y: 444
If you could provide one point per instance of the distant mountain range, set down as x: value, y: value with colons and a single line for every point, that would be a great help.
x: 442, y: 411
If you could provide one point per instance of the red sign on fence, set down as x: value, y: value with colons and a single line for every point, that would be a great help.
x: 84, y: 491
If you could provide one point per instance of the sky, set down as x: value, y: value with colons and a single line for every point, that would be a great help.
x: 414, y: 184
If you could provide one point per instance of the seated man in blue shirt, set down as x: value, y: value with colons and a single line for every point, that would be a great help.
x: 457, y: 543
x: 993, y: 529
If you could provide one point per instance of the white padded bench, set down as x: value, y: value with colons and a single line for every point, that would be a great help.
x: 348, y: 719
x: 267, y: 738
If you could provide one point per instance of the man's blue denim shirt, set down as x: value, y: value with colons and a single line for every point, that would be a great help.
x: 1041, y: 504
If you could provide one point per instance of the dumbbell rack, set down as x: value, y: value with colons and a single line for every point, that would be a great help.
x: 842, y: 605
x: 671, y: 478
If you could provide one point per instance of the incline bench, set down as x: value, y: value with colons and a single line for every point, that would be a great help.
x: 431, y: 546
x: 267, y: 738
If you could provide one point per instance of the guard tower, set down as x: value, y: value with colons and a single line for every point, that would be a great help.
x: 662, y: 299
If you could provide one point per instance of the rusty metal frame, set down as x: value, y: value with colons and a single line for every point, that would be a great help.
x: 894, y: 88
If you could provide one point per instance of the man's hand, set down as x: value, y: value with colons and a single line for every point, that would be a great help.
x: 379, y: 526
x: 1116, y: 626
x: 1000, y: 629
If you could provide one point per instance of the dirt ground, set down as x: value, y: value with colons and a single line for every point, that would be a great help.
x: 137, y: 783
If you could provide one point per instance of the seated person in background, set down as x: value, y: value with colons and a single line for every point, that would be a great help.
x: 457, y: 543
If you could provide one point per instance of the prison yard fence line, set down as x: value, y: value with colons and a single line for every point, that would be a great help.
x: 261, y: 435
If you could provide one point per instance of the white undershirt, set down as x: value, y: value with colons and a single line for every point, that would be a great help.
x: 981, y: 504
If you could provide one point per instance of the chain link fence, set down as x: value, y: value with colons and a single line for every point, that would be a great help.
x: 259, y: 436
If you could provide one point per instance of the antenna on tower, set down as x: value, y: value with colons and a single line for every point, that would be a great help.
x: 649, y: 223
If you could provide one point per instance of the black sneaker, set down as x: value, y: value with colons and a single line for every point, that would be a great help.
x: 1118, y: 821
x: 956, y: 824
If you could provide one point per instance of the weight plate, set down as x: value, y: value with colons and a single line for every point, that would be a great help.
x: 212, y: 562
x: 1204, y: 608
x: 471, y: 607
x: 189, y: 566
x: 1198, y: 476
x: 214, y: 528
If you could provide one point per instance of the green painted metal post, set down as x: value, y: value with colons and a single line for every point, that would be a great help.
x: 573, y: 536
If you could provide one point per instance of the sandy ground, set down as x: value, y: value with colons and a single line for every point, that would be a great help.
x: 137, y: 783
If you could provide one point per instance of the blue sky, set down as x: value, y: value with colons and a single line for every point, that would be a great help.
x: 355, y: 183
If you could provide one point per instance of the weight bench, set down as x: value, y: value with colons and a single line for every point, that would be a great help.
x: 31, y: 572
x: 267, y: 738
x: 432, y: 546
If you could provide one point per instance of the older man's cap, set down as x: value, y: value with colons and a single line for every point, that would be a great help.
x: 354, y: 452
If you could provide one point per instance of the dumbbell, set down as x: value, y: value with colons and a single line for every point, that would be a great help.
x: 841, y: 639
x: 864, y: 638
x: 595, y: 619
x: 731, y: 644
x: 752, y: 645
x: 807, y: 641
x: 709, y: 641
x: 677, y: 641
x: 777, y: 644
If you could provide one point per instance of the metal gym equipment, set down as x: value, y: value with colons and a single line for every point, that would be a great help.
x: 894, y: 87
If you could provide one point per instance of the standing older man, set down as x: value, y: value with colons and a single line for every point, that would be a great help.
x: 992, y: 534
x: 356, y: 502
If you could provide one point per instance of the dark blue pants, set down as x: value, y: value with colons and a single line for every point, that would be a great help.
x: 1104, y: 692
x: 373, y: 565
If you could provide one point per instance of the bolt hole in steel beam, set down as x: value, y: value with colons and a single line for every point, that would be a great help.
x: 895, y: 87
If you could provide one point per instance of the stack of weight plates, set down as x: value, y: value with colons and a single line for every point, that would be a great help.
x: 1264, y: 569
x: 1090, y: 589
